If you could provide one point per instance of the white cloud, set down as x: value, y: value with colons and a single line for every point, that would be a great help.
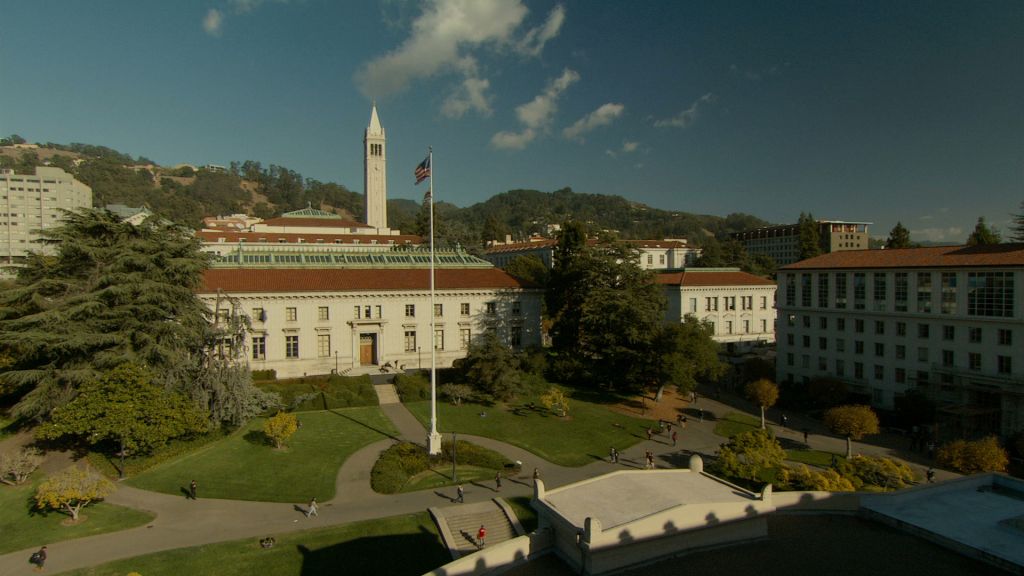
x: 212, y: 22
x: 536, y: 115
x: 472, y: 95
x: 949, y: 234
x: 603, y: 116
x: 687, y: 117
x: 532, y: 43
x: 628, y: 147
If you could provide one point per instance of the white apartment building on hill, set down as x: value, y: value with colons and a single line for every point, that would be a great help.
x: 948, y: 321
x: 31, y: 203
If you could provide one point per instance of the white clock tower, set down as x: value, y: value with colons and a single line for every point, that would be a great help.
x: 375, y: 179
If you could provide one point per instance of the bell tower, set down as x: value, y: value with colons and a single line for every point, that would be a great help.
x: 375, y: 179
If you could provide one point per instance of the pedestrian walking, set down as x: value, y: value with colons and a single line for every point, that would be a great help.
x: 805, y: 435
x: 311, y: 511
x: 497, y: 480
x: 679, y: 419
x: 460, y: 494
x: 650, y: 460
x: 650, y: 433
x: 930, y: 474
x: 481, y: 536
x: 833, y: 461
x: 536, y: 475
x: 192, y: 489
x: 673, y: 438
x: 38, y: 558
x: 785, y: 421
x: 685, y: 420
x: 700, y: 411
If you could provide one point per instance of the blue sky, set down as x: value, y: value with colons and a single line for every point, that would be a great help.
x: 861, y: 110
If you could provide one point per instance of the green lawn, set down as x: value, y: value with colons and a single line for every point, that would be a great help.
x: 735, y: 423
x: 243, y: 467
x: 24, y: 527
x: 818, y: 458
x: 585, y: 436
x: 442, y: 476
x: 400, y: 545
x: 526, y: 514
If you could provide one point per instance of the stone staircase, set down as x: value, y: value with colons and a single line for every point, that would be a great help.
x: 459, y: 525
x: 386, y: 394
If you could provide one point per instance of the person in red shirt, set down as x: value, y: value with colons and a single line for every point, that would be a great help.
x: 481, y: 534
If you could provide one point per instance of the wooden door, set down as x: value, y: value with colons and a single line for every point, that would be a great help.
x: 367, y: 352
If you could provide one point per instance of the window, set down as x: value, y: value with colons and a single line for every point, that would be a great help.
x: 901, y: 291
x: 807, y: 321
x: 859, y: 290
x: 693, y: 305
x: 948, y: 293
x: 259, y: 347
x: 789, y: 339
x: 438, y: 310
x: 1004, y: 365
x: 291, y: 346
x: 516, y: 336
x: 841, y: 324
x: 491, y: 307
x: 789, y: 359
x: 823, y: 323
x: 323, y: 313
x: 879, y: 349
x: 376, y: 310
x: 790, y: 289
x: 746, y: 326
x: 410, y: 340
x: 747, y: 302
x: 858, y: 370
x: 901, y: 352
x: 791, y: 320
x: 650, y: 259
x: 410, y: 310
x: 258, y: 315
x: 901, y: 376
x: 291, y: 314
x: 661, y: 259
x: 901, y: 328
x: 922, y: 331
x: 924, y: 291
x: 464, y: 338
x: 764, y: 326
x: 840, y: 345
x: 841, y: 290
x: 879, y: 327
x: 464, y: 309
x: 947, y: 358
x: 1005, y: 337
x: 805, y: 290
x: 858, y: 326
x: 879, y: 372
x: 922, y: 354
x: 840, y: 367
x: 711, y: 304
x: 823, y: 290
x: 858, y: 346
x: 948, y: 333
x: 805, y: 361
x: 764, y: 302
x: 974, y: 361
x: 974, y: 335
x: 439, y: 339
x: 822, y: 343
x: 806, y: 341
x: 357, y: 312
x: 878, y: 291
x: 517, y: 308
x: 323, y: 345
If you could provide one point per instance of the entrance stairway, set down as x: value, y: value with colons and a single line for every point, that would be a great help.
x: 459, y: 524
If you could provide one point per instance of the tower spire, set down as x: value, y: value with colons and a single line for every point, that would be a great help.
x: 375, y: 182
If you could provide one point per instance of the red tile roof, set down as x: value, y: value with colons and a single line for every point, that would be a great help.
x: 307, y: 237
x: 932, y: 257
x: 239, y: 280
x: 696, y: 278
x: 539, y: 244
x: 312, y: 223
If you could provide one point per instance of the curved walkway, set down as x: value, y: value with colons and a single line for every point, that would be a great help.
x: 182, y: 523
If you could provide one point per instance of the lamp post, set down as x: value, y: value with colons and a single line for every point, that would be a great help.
x: 455, y: 442
x: 335, y: 361
x: 419, y: 352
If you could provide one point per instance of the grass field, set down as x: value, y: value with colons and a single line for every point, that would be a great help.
x: 813, y: 457
x: 24, y: 527
x: 585, y: 436
x: 735, y: 423
x: 398, y: 546
x: 244, y: 467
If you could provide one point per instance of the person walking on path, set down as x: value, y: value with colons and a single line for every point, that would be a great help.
x: 192, y: 486
x: 536, y: 475
x: 650, y: 434
x: 460, y: 494
x: 311, y: 511
x: 38, y: 558
x: 673, y: 438
x: 481, y: 536
x: 497, y: 480
x: 700, y: 411
x: 930, y: 474
x: 805, y: 435
x: 785, y: 421
x: 613, y: 455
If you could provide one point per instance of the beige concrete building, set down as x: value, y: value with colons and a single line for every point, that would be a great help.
x: 947, y: 321
x: 668, y: 254
x: 782, y: 243
x: 30, y: 203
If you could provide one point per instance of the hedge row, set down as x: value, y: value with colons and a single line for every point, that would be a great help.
x: 401, y: 462
x: 323, y: 392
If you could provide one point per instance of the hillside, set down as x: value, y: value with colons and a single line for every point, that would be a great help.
x: 185, y: 194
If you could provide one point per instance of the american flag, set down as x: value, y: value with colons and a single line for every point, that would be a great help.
x: 423, y: 170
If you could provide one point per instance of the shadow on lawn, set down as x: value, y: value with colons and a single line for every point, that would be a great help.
x: 367, y: 426
x: 397, y: 554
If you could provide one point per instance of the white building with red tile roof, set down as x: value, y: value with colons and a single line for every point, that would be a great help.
x: 668, y: 254
x: 739, y: 307
x: 947, y: 321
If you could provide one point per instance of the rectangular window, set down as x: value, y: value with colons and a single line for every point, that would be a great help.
x: 517, y: 308
x: 438, y: 310
x: 922, y: 331
x: 291, y: 314
x: 840, y: 367
x: 947, y: 358
x: 807, y: 321
x: 323, y: 313
x: 879, y: 291
x: 259, y: 347
x: 291, y: 346
x: 789, y: 359
x: 730, y: 302
x: 323, y: 345
x: 491, y: 307
x: 879, y: 349
x: 858, y: 346
x: 823, y: 290
x: 693, y: 305
x: 879, y: 372
x: 948, y: 293
x: 711, y: 304
x: 805, y: 361
x: 410, y: 340
x: 841, y: 324
x: 357, y: 312
x: 464, y: 338
x: 790, y: 289
x: 823, y: 323
x: 748, y: 302
x: 789, y: 339
x: 948, y: 333
x: 464, y: 309
x: 922, y: 354
x: 367, y: 312
x: 806, y: 341
x: 879, y: 327
x: 901, y: 376
x: 516, y: 336
x: 805, y: 290
x: 822, y: 343
x: 974, y: 335
x: 439, y: 339
x: 258, y: 315
x: 858, y: 370
x: 746, y: 326
x: 1004, y: 364
x: 901, y: 328
x: 859, y: 290
x: 974, y: 360
x: 901, y: 291
x: 764, y: 302
x: 764, y: 326
x: 840, y: 345
x: 841, y: 290
x: 377, y: 312
x: 901, y: 352
x: 924, y: 291
x: 858, y: 326
x: 410, y: 310
x: 1005, y: 337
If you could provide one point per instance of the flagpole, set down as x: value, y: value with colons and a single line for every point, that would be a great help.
x: 434, y: 439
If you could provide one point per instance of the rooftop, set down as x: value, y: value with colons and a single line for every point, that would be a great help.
x: 711, y: 277
x: 257, y: 280
x: 931, y: 257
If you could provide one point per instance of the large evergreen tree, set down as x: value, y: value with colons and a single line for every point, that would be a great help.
x: 1017, y: 227
x: 810, y: 236
x: 107, y: 294
x: 983, y: 234
x: 899, y: 237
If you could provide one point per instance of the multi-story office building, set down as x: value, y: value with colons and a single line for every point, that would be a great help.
x: 948, y: 321
x: 31, y: 203
x: 739, y: 307
x: 782, y: 243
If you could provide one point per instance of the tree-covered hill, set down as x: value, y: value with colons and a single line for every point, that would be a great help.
x: 185, y: 195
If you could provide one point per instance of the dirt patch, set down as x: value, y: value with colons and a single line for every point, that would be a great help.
x: 671, y: 405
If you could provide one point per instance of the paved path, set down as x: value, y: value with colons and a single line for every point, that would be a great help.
x: 180, y: 522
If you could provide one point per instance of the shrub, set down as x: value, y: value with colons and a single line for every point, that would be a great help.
x: 323, y: 392
x: 413, y: 386
x: 71, y: 490
x: 280, y: 428
x: 401, y: 462
x: 264, y: 375
x: 137, y: 465
x: 867, y: 472
x: 456, y: 392
x: 985, y: 455
x: 803, y: 478
x: 16, y: 467
x: 752, y: 455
